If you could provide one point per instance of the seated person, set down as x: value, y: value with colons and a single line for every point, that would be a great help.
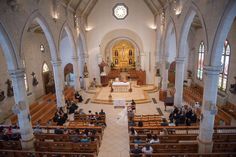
x: 154, y: 139
x: 133, y: 105
x: 137, y: 140
x: 85, y: 138
x: 193, y: 117
x: 133, y: 132
x: 147, y: 150
x: 136, y: 150
x: 164, y: 122
x: 149, y: 137
x: 78, y: 97
x: 58, y: 131
x: 102, y: 112
x: 164, y: 132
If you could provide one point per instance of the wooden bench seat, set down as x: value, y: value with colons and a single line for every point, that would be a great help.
x: 172, y: 147
x: 63, y: 137
x: 189, y: 155
x: 90, y: 147
x: 11, y: 145
x: 23, y: 153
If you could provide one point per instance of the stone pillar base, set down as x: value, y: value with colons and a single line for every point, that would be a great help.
x: 28, y: 145
x: 204, y: 147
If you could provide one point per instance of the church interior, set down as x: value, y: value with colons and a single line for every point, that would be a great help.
x: 117, y: 78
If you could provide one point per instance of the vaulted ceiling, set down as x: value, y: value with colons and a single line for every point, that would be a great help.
x: 80, y: 7
x: 84, y: 7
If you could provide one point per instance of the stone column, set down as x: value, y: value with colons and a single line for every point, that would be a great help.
x: 76, y: 73
x: 164, y: 84
x: 22, y: 109
x: 142, y: 60
x: 208, y: 109
x: 59, y: 83
x: 179, y: 79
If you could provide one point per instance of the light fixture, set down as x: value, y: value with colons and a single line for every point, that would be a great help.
x: 55, y: 17
x: 42, y: 49
x: 88, y: 28
x: 177, y: 7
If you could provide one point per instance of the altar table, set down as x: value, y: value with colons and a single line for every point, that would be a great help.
x: 120, y: 86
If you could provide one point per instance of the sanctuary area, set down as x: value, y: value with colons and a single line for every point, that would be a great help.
x: 117, y: 78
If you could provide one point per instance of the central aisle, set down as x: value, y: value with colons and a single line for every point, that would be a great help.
x: 115, y: 142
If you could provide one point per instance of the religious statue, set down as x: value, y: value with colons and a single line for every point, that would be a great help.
x: 85, y: 71
x: 116, y: 61
x: 9, y: 88
x: 130, y: 53
x: 2, y: 95
x: 233, y: 87
x: 51, y: 80
x: 116, y: 53
x: 101, y: 66
x: 35, y: 81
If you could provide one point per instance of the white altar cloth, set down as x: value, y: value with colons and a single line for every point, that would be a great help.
x: 120, y: 86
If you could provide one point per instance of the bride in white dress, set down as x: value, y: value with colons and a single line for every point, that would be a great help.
x: 122, y: 118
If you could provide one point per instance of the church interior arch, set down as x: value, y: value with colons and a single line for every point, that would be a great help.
x: 35, y: 51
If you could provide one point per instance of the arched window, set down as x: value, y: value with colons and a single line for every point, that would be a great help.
x: 45, y: 67
x: 201, y: 51
x: 223, y: 76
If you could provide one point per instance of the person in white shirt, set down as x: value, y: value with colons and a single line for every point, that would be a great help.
x: 154, y: 139
x: 147, y: 150
x: 133, y: 132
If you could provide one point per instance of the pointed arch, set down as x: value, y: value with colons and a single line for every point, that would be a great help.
x: 169, y: 34
x: 36, y: 16
x: 9, y: 50
x: 68, y: 30
x: 222, y: 32
x: 191, y: 13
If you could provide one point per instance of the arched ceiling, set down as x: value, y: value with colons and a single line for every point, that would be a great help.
x: 84, y: 7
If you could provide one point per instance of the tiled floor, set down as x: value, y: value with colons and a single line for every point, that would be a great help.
x: 115, y: 142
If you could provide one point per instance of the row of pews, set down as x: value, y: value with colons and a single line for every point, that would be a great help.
x: 49, y: 143
x: 182, y: 141
x: 229, y: 109
x: 44, y: 109
x: 194, y: 94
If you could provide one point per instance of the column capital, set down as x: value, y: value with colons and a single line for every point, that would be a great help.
x: 75, y: 58
x: 17, y: 73
x: 211, y: 70
x: 180, y: 59
x: 56, y: 62
x: 83, y: 55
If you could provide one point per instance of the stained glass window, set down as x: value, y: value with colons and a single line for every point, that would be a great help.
x: 223, y: 76
x: 201, y: 51
x: 120, y: 11
x: 45, y: 68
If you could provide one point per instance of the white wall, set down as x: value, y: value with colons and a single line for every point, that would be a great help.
x: 34, y: 60
x: 102, y: 21
x: 232, y: 72
x: 66, y: 52
x: 7, y: 103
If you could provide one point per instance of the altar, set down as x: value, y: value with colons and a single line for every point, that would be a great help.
x: 120, y: 86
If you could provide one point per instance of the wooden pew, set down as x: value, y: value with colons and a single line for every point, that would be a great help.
x: 172, y: 147
x: 189, y: 155
x: 63, y: 137
x: 10, y: 145
x: 90, y: 147
x: 224, y: 147
x: 24, y: 153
